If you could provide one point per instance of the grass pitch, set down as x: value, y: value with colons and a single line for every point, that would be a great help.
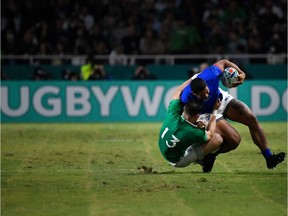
x: 117, y: 169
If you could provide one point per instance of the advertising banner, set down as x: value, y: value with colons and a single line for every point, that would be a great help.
x: 121, y: 101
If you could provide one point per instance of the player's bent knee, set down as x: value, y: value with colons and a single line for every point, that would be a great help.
x: 236, y: 140
x: 218, y: 139
x: 234, y: 145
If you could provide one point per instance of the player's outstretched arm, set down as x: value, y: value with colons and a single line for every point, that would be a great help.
x: 177, y: 93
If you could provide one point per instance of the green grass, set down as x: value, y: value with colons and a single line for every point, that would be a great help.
x: 117, y: 169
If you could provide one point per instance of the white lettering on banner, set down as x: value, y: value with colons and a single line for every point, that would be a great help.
x: 142, y: 95
x: 55, y: 103
x: 137, y: 101
x: 284, y: 100
x: 256, y: 100
x: 24, y: 102
x: 168, y: 96
x: 105, y: 101
x: 82, y: 99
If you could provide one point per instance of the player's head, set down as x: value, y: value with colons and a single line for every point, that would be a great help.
x: 193, y: 108
x: 199, y: 88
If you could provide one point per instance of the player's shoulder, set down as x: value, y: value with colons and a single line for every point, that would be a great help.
x: 175, y: 101
x: 216, y: 69
x: 175, y: 104
x: 216, y: 66
x: 211, y: 70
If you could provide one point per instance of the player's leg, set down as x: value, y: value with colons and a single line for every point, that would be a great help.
x: 214, y: 144
x: 208, y: 161
x: 240, y: 112
x: 196, y: 151
x: 231, y: 138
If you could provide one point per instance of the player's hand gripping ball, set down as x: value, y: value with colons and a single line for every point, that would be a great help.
x: 229, y: 76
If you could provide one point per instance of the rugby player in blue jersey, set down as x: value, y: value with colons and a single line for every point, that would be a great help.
x: 205, y: 87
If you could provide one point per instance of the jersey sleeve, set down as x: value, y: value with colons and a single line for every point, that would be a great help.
x: 205, y: 138
x: 201, y: 135
x: 210, y: 73
x: 216, y: 70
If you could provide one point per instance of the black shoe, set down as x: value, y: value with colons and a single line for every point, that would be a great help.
x: 274, y: 160
x: 208, y: 162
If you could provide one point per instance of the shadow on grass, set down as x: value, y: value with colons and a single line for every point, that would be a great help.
x: 172, y: 172
x: 143, y: 169
x: 269, y: 173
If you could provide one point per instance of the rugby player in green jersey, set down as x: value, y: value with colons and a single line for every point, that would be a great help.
x: 183, y: 140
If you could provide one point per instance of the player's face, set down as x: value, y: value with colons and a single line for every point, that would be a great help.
x: 204, y: 94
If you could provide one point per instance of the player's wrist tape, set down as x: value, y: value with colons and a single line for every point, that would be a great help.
x: 214, y: 112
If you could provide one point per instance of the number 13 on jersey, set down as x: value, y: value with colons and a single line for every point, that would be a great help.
x: 173, y: 141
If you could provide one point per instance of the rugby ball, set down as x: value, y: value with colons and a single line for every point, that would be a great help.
x: 229, y: 76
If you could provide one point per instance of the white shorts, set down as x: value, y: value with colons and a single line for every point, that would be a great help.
x: 224, y: 102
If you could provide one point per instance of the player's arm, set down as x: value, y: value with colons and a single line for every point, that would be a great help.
x: 177, y: 93
x: 212, y: 122
x: 224, y: 63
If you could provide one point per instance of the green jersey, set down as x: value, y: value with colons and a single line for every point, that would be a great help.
x: 177, y: 134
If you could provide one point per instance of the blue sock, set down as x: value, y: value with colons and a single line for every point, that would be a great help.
x: 266, y: 153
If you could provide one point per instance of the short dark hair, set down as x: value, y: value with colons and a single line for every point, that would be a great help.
x: 193, y: 107
x: 198, y: 85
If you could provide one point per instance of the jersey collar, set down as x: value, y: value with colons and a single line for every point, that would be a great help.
x: 188, y: 121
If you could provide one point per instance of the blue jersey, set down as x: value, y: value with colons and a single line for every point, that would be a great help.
x: 211, y: 75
